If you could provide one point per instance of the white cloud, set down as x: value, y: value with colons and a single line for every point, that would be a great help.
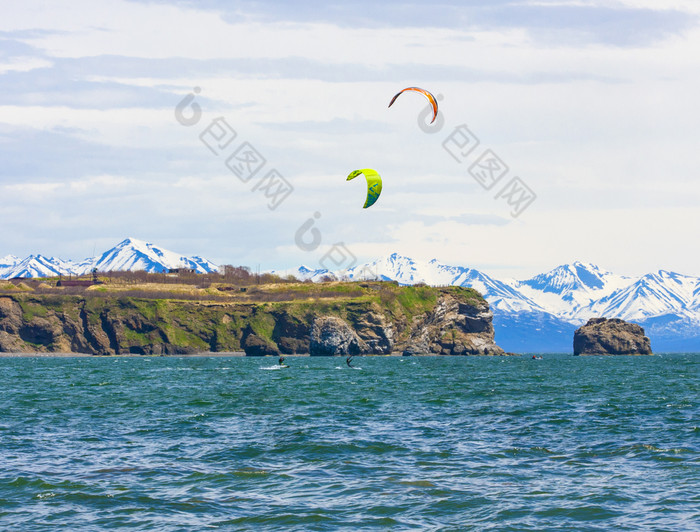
x: 605, y: 134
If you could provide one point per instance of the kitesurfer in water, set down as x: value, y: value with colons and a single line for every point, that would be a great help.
x: 281, y: 361
x: 348, y: 360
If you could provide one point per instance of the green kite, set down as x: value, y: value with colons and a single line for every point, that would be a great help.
x: 374, y: 185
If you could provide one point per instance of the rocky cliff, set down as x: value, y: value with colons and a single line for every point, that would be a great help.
x: 327, y: 319
x: 454, y: 327
x: 601, y: 336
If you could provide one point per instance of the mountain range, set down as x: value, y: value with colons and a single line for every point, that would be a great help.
x: 129, y: 255
x: 539, y: 314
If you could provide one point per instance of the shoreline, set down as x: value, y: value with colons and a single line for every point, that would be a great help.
x: 126, y: 355
x: 241, y: 354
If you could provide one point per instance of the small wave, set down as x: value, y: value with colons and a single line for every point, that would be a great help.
x: 524, y: 451
x: 200, y: 402
x: 250, y: 472
x: 106, y: 470
x: 417, y: 483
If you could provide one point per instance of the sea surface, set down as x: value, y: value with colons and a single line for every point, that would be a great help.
x: 420, y: 443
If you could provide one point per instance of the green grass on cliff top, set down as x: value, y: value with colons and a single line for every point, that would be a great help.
x: 412, y: 299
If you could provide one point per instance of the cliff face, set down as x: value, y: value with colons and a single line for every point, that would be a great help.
x: 601, y: 336
x: 454, y: 328
x: 332, y: 336
x: 375, y: 318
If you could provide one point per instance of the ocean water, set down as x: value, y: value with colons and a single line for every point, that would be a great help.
x: 421, y: 443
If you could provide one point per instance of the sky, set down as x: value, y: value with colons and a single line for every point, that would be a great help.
x: 226, y: 129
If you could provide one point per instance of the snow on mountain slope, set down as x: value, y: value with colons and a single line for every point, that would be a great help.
x: 305, y: 274
x: 568, y: 288
x: 130, y: 254
x: 654, y: 294
x: 572, y: 292
x: 37, y: 266
x: 695, y: 306
x: 569, y: 278
x: 500, y: 295
x: 394, y: 267
x: 8, y: 261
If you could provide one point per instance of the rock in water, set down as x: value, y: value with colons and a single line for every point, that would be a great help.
x: 602, y: 336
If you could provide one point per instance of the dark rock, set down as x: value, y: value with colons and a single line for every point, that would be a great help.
x: 40, y: 331
x: 10, y: 315
x: 290, y: 345
x: 291, y: 334
x: 602, y: 336
x: 256, y: 346
x: 332, y: 336
x: 374, y: 330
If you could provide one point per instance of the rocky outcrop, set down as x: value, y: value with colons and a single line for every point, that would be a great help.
x: 255, y: 345
x: 376, y: 332
x: 602, y: 336
x: 454, y: 328
x: 97, y: 326
x: 19, y: 334
x: 290, y: 333
x: 332, y: 336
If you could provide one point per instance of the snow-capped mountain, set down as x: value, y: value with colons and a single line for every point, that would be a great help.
x: 129, y: 255
x: 500, y: 295
x: 570, y: 278
x: 654, y: 294
x: 569, y: 288
x: 35, y: 266
x: 132, y: 255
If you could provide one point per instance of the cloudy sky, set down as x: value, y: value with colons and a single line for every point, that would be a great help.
x: 593, y: 105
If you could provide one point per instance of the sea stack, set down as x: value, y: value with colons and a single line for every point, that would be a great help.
x: 602, y: 336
